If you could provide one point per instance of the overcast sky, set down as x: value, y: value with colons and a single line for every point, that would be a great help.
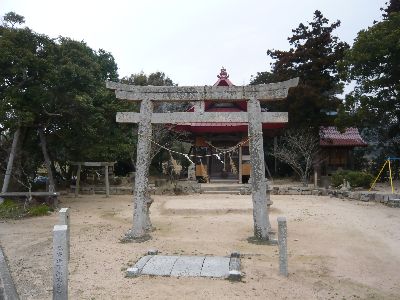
x: 190, y: 40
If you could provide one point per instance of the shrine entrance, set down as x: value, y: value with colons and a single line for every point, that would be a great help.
x: 253, y: 118
x: 225, y: 165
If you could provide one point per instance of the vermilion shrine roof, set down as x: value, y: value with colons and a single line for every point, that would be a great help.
x: 222, y: 127
x: 331, y: 137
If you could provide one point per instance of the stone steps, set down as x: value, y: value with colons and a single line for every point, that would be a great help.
x: 213, y: 188
x: 224, y: 181
x: 229, y: 192
x: 236, y: 187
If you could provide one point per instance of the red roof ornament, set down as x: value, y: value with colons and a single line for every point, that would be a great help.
x: 223, y: 78
x: 223, y: 74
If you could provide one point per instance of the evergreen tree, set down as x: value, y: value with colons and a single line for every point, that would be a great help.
x: 313, y: 56
x: 373, y: 63
x: 56, y: 87
x: 393, y: 6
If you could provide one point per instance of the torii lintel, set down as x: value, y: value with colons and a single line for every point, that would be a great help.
x: 262, y: 92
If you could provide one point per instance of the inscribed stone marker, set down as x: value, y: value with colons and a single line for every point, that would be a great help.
x: 65, y: 220
x: 60, y: 262
x: 282, y: 243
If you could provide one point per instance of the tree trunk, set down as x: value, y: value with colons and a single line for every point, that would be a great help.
x: 47, y: 161
x: 10, y: 163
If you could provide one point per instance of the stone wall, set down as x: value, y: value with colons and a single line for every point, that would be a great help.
x: 163, y: 187
x: 92, y: 190
x: 392, y: 200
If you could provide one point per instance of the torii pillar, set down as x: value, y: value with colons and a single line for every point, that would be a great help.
x: 141, y: 219
x: 259, y: 186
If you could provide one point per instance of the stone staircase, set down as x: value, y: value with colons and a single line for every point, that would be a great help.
x: 225, y: 187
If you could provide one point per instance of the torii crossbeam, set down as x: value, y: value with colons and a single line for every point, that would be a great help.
x: 254, y: 117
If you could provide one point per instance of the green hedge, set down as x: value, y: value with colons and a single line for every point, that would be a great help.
x: 355, y: 178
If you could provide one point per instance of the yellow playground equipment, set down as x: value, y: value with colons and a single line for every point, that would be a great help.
x: 387, y: 162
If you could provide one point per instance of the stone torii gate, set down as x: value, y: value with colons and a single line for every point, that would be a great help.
x: 198, y: 94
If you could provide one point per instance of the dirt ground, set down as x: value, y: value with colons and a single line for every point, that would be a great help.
x: 338, y: 249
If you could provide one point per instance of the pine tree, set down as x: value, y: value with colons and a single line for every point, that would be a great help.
x: 313, y: 56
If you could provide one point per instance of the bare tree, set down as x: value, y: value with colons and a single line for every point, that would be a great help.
x: 164, y: 134
x: 299, y: 149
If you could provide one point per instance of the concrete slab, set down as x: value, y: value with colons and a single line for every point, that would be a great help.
x: 194, y: 266
x: 160, y: 265
x: 215, y: 266
x: 188, y: 266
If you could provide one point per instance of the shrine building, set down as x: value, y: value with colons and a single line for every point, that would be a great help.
x: 337, y: 149
x: 220, y: 151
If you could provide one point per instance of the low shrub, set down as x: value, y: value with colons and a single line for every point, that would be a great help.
x: 355, y: 178
x: 14, y: 209
x: 38, y: 210
x: 10, y: 209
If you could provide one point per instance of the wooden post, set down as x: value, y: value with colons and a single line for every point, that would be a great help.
x: 10, y: 163
x: 315, y: 178
x: 240, y: 171
x: 140, y: 210
x: 275, y: 159
x: 107, y: 181
x: 258, y: 181
x: 78, y: 179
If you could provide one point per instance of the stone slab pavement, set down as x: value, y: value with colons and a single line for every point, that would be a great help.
x: 215, y: 266
x: 164, y: 265
x: 159, y: 265
x: 188, y: 266
x: 7, y: 287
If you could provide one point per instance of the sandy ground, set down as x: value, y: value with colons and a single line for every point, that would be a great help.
x: 337, y: 249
